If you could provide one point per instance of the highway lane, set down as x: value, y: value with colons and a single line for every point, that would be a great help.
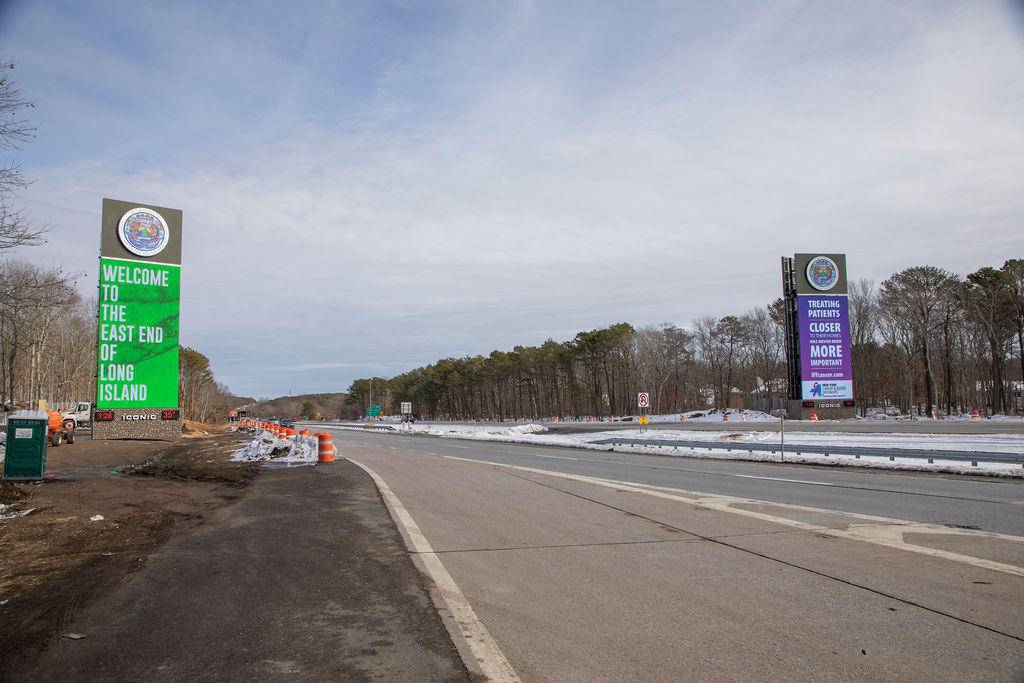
x: 984, y: 503
x: 633, y: 579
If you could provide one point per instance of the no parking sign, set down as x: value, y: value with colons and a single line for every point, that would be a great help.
x: 643, y: 400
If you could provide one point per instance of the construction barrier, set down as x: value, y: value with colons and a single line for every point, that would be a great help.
x: 325, y: 450
x: 814, y: 417
x: 682, y: 418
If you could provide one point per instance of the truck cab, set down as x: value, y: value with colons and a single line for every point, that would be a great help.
x: 81, y: 416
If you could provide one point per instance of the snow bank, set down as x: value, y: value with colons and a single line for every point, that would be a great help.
x: 653, y: 443
x: 267, y: 446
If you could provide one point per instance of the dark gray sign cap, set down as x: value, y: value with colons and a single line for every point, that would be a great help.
x: 111, y: 245
x: 820, y: 273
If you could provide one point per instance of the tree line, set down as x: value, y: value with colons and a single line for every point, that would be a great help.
x: 925, y: 339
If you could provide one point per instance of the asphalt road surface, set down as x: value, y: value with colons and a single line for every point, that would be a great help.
x: 587, y: 565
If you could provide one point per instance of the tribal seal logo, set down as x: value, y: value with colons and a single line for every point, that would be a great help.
x: 143, y: 232
x: 822, y: 273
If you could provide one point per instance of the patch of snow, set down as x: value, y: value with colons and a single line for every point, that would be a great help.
x: 537, y: 435
x: 14, y: 515
x: 266, y: 446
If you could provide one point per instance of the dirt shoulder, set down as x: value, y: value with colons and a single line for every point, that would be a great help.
x: 103, y: 509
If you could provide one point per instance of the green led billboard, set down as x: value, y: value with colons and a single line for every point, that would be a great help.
x: 139, y: 289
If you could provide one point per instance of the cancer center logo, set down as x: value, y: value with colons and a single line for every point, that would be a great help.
x: 143, y: 232
x: 822, y: 273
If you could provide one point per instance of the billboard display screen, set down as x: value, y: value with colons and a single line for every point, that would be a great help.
x: 826, y: 371
x: 139, y: 289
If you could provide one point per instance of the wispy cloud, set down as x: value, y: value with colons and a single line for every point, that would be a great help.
x: 403, y: 181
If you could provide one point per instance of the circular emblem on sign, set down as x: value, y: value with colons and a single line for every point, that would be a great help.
x: 822, y: 273
x: 143, y: 232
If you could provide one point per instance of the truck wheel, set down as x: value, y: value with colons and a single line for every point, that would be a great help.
x: 69, y: 425
x: 70, y: 436
x: 56, y: 439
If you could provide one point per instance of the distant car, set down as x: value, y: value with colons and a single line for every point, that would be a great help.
x: 288, y: 422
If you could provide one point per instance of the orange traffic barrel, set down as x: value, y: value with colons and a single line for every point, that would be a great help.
x: 814, y: 417
x: 304, y: 432
x: 325, y: 450
x: 725, y: 417
x: 289, y: 433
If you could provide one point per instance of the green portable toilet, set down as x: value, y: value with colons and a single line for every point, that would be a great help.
x: 27, y: 434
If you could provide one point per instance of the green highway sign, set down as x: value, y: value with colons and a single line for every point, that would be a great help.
x: 138, y: 334
x: 373, y: 411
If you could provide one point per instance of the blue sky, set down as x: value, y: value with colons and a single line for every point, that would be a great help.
x: 370, y: 186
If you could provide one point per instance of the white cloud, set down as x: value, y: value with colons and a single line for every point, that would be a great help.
x: 398, y: 195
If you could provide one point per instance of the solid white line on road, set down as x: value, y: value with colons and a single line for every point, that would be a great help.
x: 552, y: 457
x: 485, y: 650
x: 788, y: 481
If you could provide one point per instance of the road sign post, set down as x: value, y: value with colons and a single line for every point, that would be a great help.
x: 643, y: 400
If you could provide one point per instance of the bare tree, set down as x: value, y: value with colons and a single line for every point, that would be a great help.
x: 653, y: 364
x: 764, y: 345
x: 718, y: 343
x: 1014, y: 270
x: 15, y: 227
x: 989, y: 305
x: 30, y: 296
x: 915, y: 296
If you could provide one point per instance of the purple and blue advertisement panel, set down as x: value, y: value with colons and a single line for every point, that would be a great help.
x: 825, y: 368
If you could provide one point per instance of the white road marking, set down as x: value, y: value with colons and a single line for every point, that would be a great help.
x: 485, y: 650
x: 788, y: 481
x: 883, y: 531
x: 552, y: 457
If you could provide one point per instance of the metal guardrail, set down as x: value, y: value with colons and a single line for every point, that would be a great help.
x: 973, y: 457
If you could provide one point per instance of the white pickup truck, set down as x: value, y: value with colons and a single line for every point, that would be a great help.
x: 81, y: 416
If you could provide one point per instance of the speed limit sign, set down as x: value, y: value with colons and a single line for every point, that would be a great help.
x: 643, y: 400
